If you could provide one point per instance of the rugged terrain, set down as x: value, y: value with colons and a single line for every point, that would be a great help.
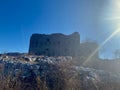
x: 52, y: 73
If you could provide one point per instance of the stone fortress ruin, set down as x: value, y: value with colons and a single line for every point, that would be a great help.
x: 59, y: 45
x: 54, y: 44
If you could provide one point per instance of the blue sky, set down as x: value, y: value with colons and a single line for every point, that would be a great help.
x: 19, y: 19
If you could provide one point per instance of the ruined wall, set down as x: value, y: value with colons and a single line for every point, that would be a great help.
x: 55, y: 44
x: 88, y: 48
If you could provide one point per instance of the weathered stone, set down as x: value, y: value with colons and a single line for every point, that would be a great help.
x: 54, y: 44
x: 49, y: 71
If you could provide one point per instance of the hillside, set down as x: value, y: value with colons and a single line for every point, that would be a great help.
x: 52, y: 73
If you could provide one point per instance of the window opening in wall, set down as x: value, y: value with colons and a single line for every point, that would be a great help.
x: 36, y: 44
x: 47, y: 49
x: 48, y: 40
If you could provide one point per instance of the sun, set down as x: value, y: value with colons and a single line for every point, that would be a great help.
x: 117, y: 3
x: 113, y: 15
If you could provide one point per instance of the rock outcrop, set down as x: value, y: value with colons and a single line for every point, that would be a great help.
x: 50, y: 73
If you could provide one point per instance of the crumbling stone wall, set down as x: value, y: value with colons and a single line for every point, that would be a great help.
x: 88, y: 48
x: 55, y: 44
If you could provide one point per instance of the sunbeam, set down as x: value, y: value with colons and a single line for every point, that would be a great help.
x: 96, y: 50
x: 113, y: 16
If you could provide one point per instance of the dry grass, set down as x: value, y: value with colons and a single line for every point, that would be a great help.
x: 62, y: 78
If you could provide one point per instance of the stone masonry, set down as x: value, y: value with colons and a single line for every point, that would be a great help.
x: 55, y: 44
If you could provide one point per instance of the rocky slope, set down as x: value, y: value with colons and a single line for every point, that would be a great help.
x: 52, y: 73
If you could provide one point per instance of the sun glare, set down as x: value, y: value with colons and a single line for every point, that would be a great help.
x: 117, y: 31
x: 117, y: 4
x: 114, y: 16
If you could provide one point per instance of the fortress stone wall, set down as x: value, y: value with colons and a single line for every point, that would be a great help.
x: 55, y: 44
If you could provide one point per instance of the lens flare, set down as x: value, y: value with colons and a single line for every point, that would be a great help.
x: 96, y: 50
x: 114, y: 17
x: 117, y: 4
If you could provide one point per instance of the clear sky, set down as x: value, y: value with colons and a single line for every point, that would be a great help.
x: 19, y: 19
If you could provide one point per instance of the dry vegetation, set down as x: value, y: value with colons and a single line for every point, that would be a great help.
x: 63, y: 77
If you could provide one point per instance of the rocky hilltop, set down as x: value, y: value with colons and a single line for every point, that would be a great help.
x: 52, y: 73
